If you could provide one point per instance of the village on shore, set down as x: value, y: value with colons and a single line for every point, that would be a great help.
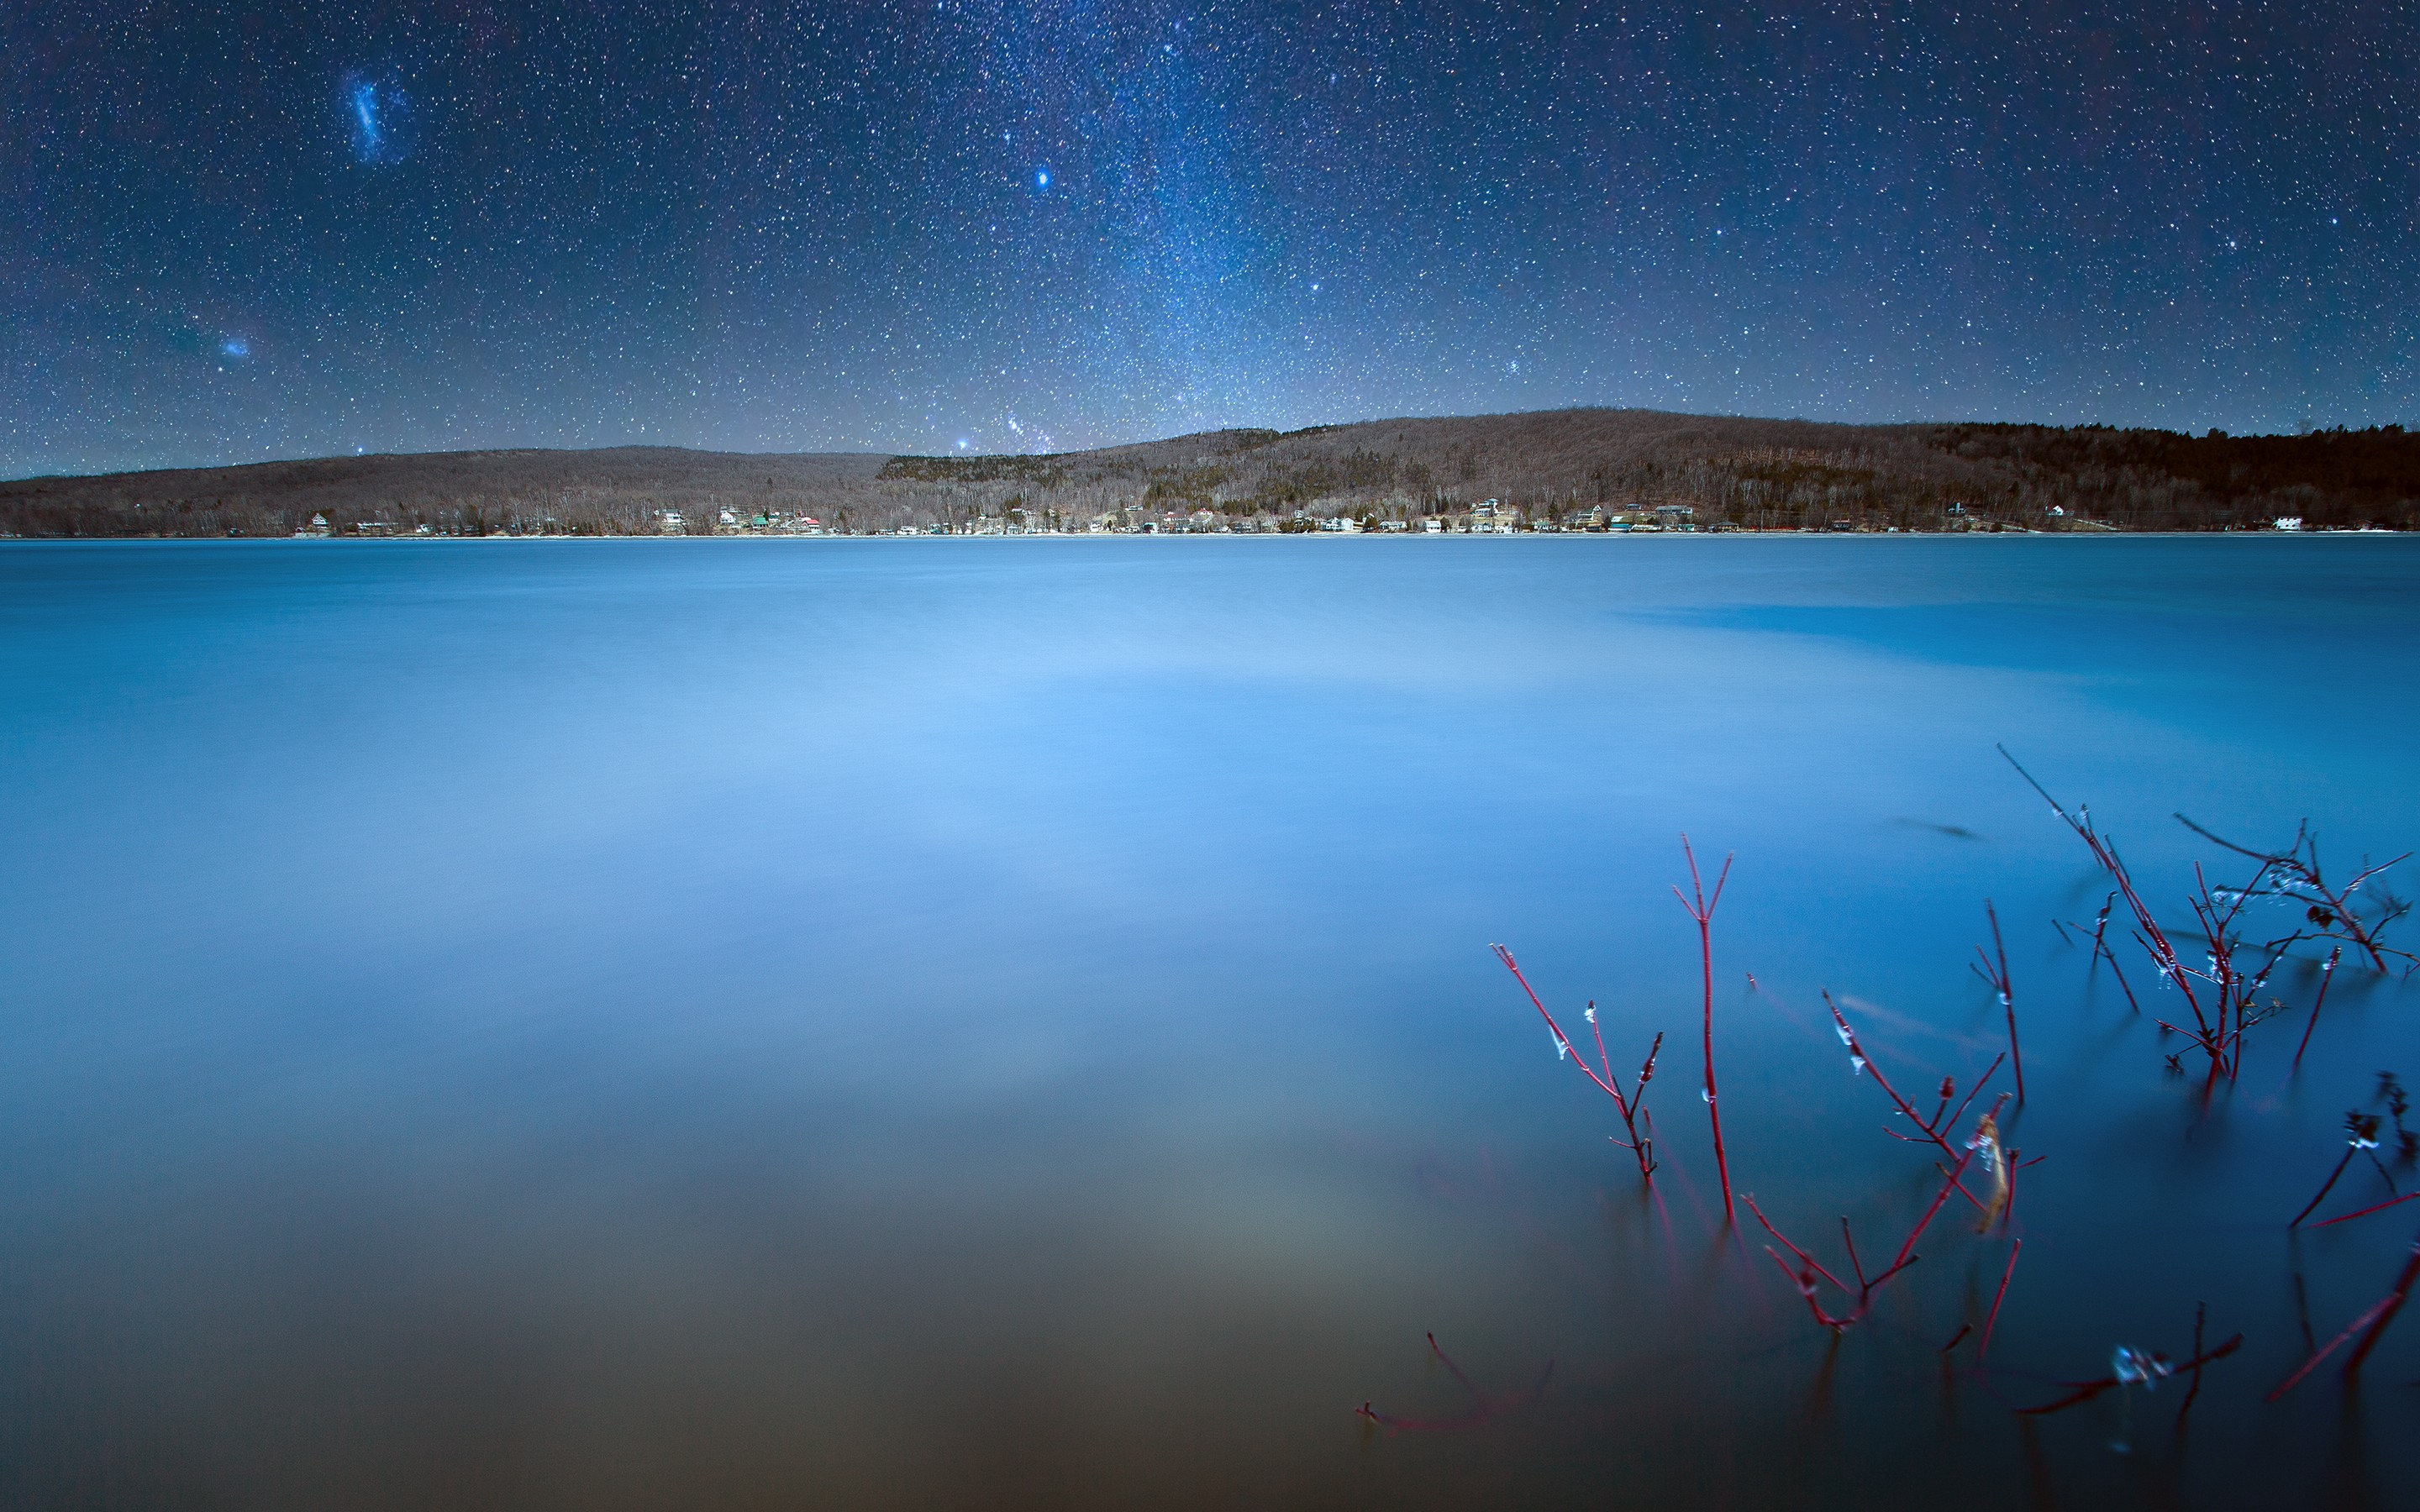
x: 1490, y: 516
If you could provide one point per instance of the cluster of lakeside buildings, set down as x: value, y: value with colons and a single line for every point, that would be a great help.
x: 1488, y: 518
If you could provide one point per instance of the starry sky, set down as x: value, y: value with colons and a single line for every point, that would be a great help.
x: 234, y: 233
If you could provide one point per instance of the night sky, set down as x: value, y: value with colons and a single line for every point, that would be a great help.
x: 233, y: 234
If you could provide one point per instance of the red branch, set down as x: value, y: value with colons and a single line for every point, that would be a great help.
x: 1811, y: 1270
x: 2201, y: 1312
x: 2298, y: 866
x: 2380, y: 1207
x: 1993, y: 969
x: 2327, y: 975
x: 2380, y: 1314
x: 2325, y: 1186
x: 2083, y: 1391
x: 1998, y: 1297
x: 1701, y: 908
x: 1934, y: 1129
x: 1628, y: 1106
x: 2213, y: 1037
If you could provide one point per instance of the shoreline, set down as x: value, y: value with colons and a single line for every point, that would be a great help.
x: 1229, y: 535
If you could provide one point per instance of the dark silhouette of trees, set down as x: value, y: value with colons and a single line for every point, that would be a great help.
x: 1758, y: 474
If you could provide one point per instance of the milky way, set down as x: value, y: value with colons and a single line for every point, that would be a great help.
x: 976, y: 226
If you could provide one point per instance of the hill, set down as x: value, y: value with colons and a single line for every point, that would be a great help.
x: 1549, y: 465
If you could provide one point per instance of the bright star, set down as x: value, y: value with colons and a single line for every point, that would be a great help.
x: 1041, y: 177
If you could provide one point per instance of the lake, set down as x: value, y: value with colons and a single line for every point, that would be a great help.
x: 943, y: 1023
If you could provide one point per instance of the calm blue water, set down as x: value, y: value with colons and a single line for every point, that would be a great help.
x: 918, y: 1022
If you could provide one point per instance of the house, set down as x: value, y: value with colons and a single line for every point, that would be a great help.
x: 669, y: 523
x: 2289, y: 522
x: 1433, y: 526
x: 318, y: 526
x: 1673, y: 516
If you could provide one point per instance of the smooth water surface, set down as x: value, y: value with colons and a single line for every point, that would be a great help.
x: 900, y: 1024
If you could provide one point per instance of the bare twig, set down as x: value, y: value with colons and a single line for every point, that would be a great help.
x: 1985, y: 1348
x: 1935, y: 1131
x: 2201, y: 1311
x: 2327, y: 975
x: 2393, y: 1305
x: 1810, y: 1270
x: 2147, y: 931
x: 1993, y: 969
x: 1701, y: 908
x: 1642, y: 1146
x: 2361, y: 1133
x: 2083, y: 1391
x: 2382, y: 1207
x: 2320, y: 1195
x: 2375, y: 1320
x: 2298, y: 871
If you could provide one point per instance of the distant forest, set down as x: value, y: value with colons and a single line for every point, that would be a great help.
x: 1550, y: 467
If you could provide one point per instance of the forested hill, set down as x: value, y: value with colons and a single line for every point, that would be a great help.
x: 1548, y: 466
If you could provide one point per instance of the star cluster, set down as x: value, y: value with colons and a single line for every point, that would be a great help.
x: 242, y: 232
